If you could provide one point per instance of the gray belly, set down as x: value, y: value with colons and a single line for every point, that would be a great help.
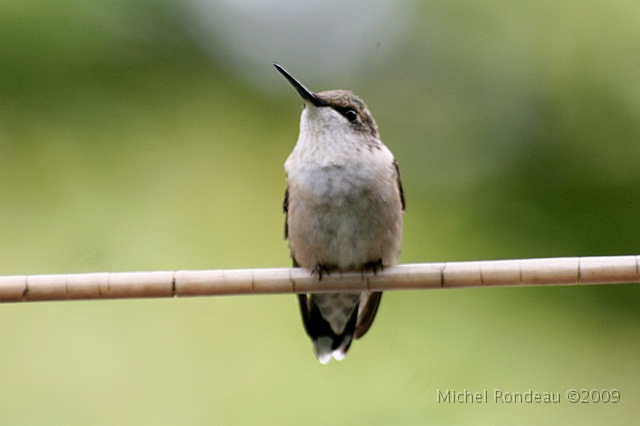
x: 346, y: 228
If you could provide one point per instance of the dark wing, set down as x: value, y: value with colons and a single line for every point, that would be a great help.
x: 285, y: 208
x: 369, y: 303
x: 395, y: 164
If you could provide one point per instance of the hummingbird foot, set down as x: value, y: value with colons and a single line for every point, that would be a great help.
x: 373, y: 266
x: 321, y: 269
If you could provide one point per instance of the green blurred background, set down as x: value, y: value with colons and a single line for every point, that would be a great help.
x: 151, y: 135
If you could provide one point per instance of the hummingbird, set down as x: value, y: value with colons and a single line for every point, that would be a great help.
x: 343, y: 212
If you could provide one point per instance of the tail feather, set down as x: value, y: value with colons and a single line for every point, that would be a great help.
x: 326, y: 342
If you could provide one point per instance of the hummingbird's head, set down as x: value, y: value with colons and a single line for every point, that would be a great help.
x: 336, y: 108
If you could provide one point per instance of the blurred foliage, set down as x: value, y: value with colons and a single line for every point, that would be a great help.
x: 128, y: 141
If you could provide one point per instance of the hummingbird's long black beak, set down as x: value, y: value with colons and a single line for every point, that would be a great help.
x: 303, y: 91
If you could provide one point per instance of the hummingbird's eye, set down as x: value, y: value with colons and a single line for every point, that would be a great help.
x: 350, y: 114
